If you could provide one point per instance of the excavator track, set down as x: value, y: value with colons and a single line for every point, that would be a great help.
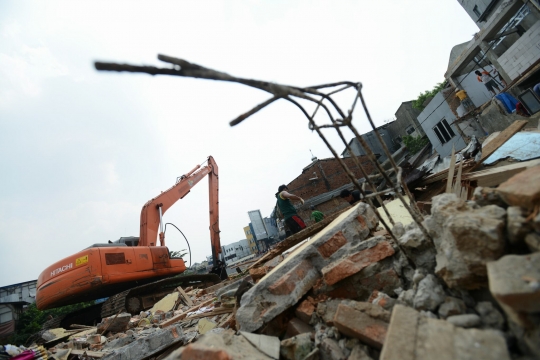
x: 143, y: 297
x: 133, y: 300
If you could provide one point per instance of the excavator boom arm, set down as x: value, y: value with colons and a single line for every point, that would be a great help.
x: 152, y: 212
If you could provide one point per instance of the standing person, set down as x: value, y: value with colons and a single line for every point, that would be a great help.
x: 316, y: 215
x: 488, y: 82
x: 352, y: 197
x: 465, y: 101
x: 285, y: 206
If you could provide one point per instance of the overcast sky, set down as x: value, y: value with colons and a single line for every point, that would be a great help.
x: 82, y: 150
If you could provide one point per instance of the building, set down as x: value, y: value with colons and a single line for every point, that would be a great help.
x: 437, y: 121
x: 406, y: 123
x: 508, y: 38
x: 371, y: 139
x: 322, y: 180
x: 235, y: 251
x: 251, y: 241
x: 13, y: 298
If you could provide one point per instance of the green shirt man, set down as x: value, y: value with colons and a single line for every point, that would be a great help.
x: 316, y: 215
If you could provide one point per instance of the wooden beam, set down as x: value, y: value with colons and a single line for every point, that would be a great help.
x: 210, y: 313
x: 185, y: 296
x: 498, y: 175
x: 503, y: 137
x: 181, y: 316
x: 451, y: 168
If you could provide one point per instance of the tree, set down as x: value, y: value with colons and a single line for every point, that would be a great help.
x: 419, y: 102
x: 415, y: 144
x: 178, y: 253
x: 31, y: 320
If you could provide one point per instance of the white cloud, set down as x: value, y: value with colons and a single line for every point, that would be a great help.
x: 23, y: 68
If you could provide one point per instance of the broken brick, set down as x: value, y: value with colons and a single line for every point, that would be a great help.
x: 305, y: 310
x: 352, y: 264
x: 287, y: 283
x: 360, y: 325
x: 332, y: 245
x: 201, y: 352
x: 257, y: 273
x: 297, y: 327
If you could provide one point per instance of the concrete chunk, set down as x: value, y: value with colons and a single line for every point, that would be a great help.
x: 414, y: 337
x: 514, y: 193
x: 514, y: 281
x: 360, y: 325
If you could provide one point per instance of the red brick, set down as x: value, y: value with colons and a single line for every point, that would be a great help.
x: 335, y: 178
x: 362, y: 221
x: 514, y: 193
x: 297, y: 327
x: 373, y: 296
x: 356, y: 262
x: 287, y: 283
x: 257, y: 273
x: 305, y: 310
x: 201, y: 352
x: 359, y: 325
x: 332, y: 245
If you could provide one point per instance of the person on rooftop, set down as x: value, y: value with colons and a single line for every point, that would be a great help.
x: 287, y: 209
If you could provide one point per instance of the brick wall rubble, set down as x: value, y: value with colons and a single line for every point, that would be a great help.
x: 470, y: 292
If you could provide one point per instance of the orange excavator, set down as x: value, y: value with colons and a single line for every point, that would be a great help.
x: 133, y: 272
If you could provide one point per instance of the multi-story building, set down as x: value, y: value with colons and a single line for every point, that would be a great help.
x: 507, y: 41
x: 373, y: 142
x: 251, y: 241
x: 235, y: 251
x: 406, y: 123
x: 508, y: 38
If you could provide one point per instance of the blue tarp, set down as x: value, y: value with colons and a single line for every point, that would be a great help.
x: 508, y: 101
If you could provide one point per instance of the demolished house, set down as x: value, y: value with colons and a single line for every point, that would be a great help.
x: 449, y: 269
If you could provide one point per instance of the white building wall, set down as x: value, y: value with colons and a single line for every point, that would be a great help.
x: 475, y: 89
x: 437, y: 110
x: 523, y: 53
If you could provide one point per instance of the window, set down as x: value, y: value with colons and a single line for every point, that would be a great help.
x: 443, y: 131
x: 476, y: 11
x: 410, y: 130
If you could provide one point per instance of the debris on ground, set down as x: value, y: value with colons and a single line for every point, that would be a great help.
x: 466, y: 288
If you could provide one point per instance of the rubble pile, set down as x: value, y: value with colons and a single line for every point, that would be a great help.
x: 355, y: 291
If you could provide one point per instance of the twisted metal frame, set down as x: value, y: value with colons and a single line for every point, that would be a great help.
x: 324, y: 100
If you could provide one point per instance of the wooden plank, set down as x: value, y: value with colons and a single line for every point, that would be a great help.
x: 503, y: 137
x: 443, y: 175
x: 181, y: 316
x: 210, y: 313
x: 185, y: 296
x: 457, y: 186
x: 498, y: 175
x: 450, y: 177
